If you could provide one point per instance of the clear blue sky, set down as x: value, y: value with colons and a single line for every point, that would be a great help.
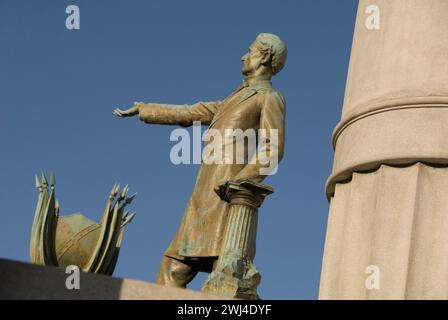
x: 59, y: 88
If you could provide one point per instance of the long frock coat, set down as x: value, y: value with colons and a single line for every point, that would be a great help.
x: 255, y: 106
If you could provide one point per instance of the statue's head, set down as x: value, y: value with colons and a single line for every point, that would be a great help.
x: 266, y: 54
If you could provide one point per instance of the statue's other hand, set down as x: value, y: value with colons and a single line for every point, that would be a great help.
x: 126, y: 113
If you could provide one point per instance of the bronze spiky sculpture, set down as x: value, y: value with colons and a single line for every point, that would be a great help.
x: 74, y: 239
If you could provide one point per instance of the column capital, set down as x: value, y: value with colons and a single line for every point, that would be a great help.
x: 244, y: 192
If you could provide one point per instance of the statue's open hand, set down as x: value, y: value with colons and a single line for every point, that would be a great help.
x: 127, y: 113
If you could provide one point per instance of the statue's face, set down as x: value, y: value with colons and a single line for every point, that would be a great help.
x: 253, y: 59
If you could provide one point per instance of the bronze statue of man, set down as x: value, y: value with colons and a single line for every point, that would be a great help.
x: 253, y: 105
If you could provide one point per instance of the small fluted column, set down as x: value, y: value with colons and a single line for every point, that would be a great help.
x: 235, y: 274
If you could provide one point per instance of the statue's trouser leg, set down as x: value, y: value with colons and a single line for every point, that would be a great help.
x: 177, y: 273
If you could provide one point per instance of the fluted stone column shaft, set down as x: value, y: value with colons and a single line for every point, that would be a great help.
x: 386, y: 235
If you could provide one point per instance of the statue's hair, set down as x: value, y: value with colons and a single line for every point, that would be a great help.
x: 271, y: 42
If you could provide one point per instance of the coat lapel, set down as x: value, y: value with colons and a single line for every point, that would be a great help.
x: 249, y: 92
x: 246, y: 95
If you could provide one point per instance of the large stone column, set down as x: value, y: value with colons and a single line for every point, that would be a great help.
x: 388, y: 218
x: 235, y: 275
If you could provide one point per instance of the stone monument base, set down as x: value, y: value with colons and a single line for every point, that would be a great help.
x: 19, y: 280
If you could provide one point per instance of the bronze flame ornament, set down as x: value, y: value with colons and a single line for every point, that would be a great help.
x: 74, y: 239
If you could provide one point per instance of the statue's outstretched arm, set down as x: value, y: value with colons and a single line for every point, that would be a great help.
x: 183, y: 115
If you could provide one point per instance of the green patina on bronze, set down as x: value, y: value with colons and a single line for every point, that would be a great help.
x: 75, y: 239
x: 212, y: 227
